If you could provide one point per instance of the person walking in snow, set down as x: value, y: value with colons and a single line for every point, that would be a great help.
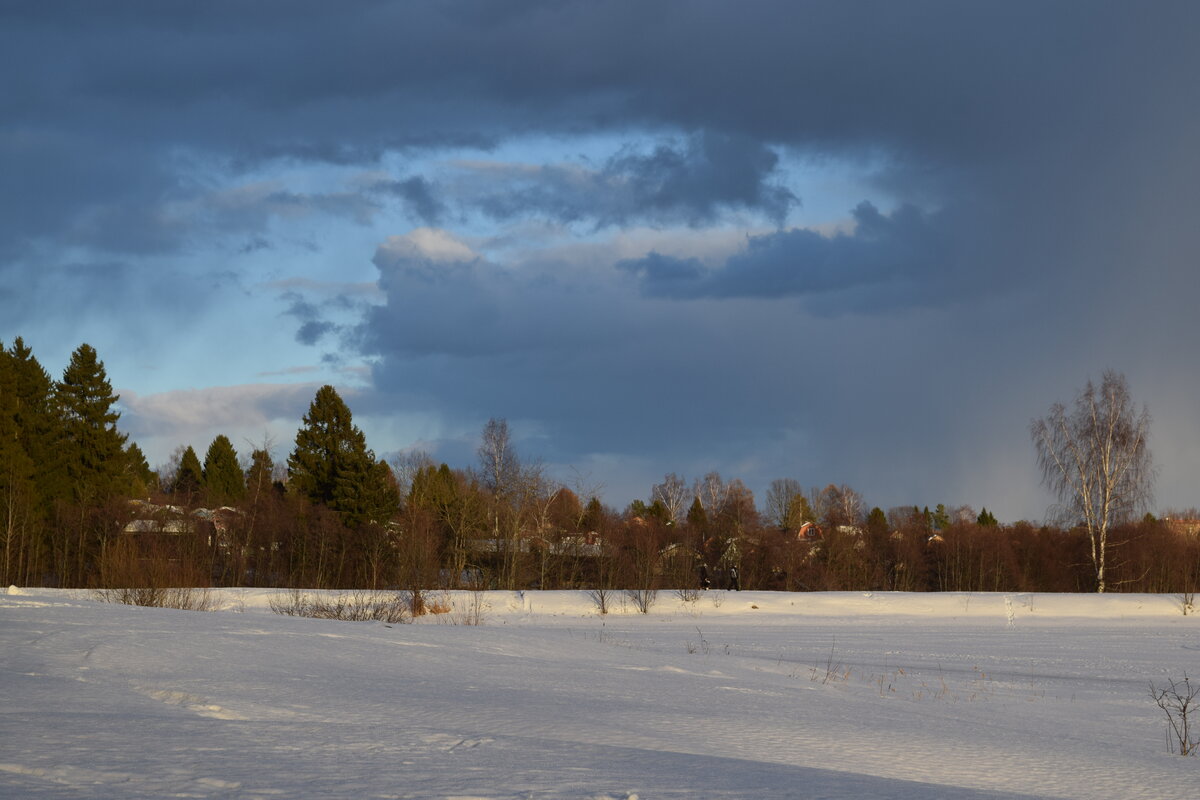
x: 704, y: 581
x: 733, y: 579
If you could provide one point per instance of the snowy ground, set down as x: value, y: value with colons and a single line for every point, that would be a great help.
x: 737, y: 695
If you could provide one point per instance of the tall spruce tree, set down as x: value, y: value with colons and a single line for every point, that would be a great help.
x: 331, y: 464
x: 259, y: 478
x: 324, y: 445
x: 697, y: 517
x: 17, y: 491
x: 366, y: 493
x: 224, y: 481
x: 141, y: 477
x: 40, y: 427
x: 94, y: 448
x: 189, y: 478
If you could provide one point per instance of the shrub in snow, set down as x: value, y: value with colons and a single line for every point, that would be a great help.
x: 184, y: 598
x: 348, y: 606
x: 1178, y: 701
x: 642, y: 599
x: 602, y: 597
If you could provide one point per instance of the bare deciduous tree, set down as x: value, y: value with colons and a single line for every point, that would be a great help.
x: 711, y: 490
x: 498, y: 460
x: 406, y: 465
x: 781, y: 501
x: 1095, y: 459
x: 838, y: 505
x: 672, y: 493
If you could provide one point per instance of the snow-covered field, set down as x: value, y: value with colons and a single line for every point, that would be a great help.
x: 735, y: 695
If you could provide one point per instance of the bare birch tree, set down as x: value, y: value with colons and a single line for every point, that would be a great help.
x: 838, y: 505
x: 498, y: 462
x: 1095, y: 459
x: 672, y: 493
x: 712, y: 491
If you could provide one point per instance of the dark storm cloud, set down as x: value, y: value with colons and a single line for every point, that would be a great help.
x: 318, y: 320
x: 441, y: 299
x: 949, y: 79
x: 691, y: 182
x: 419, y: 196
x: 941, y: 88
x: 311, y: 331
x: 312, y: 324
x: 888, y: 261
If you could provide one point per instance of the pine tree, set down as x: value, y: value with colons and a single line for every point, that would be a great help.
x: 94, y: 448
x: 259, y: 478
x: 40, y: 427
x: 189, y: 479
x: 941, y: 519
x: 224, y: 481
x: 331, y: 464
x: 366, y: 493
x: 17, y: 490
x: 593, y: 515
x: 323, y: 445
x: 799, y: 511
x: 141, y: 477
x: 697, y: 517
x: 261, y: 507
x: 657, y: 510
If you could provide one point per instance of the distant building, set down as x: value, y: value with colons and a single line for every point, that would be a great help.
x: 1185, y: 527
x: 809, y: 532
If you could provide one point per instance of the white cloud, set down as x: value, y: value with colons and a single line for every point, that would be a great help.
x: 426, y: 244
x: 245, y: 413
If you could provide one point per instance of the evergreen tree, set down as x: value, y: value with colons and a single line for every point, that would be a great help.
x: 940, y: 519
x: 189, y: 478
x: 260, y: 476
x: 39, y: 425
x: 433, y: 489
x: 986, y: 518
x: 593, y: 515
x: 141, y: 478
x: 17, y: 491
x: 877, y: 523
x: 657, y: 510
x: 224, y: 481
x: 323, y: 445
x: 800, y: 512
x: 366, y: 493
x: 332, y: 466
x: 697, y: 517
x: 94, y: 448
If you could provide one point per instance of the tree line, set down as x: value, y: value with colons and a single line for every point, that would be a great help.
x: 79, y: 506
x: 66, y: 472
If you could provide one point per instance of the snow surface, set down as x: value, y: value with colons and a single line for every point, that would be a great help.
x: 735, y: 695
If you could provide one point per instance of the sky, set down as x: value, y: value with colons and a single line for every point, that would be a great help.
x: 856, y: 243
